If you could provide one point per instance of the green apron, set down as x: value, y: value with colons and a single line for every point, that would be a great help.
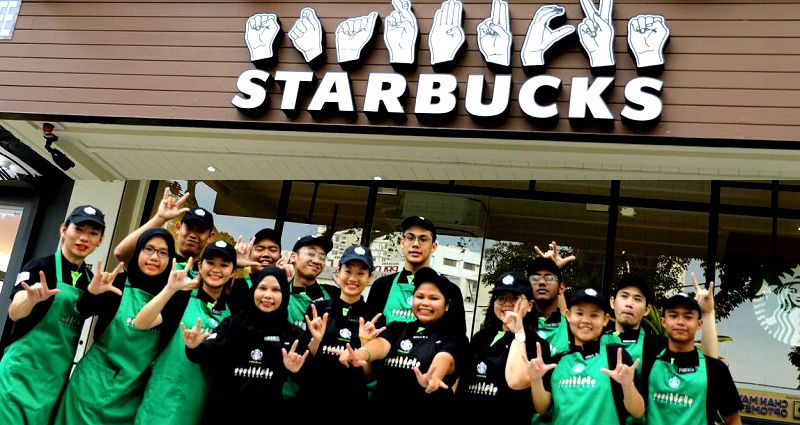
x: 176, y: 392
x: 108, y: 382
x: 191, y: 274
x: 581, y: 393
x: 249, y: 281
x: 398, y: 303
x: 557, y: 335
x: 298, y: 305
x: 676, y: 396
x: 633, y: 348
x: 35, y: 368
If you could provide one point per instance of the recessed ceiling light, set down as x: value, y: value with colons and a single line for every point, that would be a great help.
x: 377, y: 178
x: 211, y: 169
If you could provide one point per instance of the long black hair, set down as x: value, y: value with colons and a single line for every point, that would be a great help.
x: 492, y: 323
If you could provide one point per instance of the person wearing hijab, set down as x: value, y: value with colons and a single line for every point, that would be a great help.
x: 176, y: 391
x: 420, y: 360
x: 250, y: 355
x: 108, y: 382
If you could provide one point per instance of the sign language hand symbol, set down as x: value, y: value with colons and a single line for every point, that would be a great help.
x: 541, y: 37
x: 647, y: 36
x: 596, y: 33
x: 401, y: 33
x: 306, y: 34
x: 260, y: 33
x: 494, y: 35
x: 446, y: 36
x: 352, y: 35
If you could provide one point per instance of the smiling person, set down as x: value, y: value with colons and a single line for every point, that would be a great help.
x: 593, y: 383
x: 176, y: 391
x: 263, y: 250
x: 108, y: 383
x: 682, y: 385
x: 250, y: 355
x: 420, y: 360
x: 308, y: 256
x: 42, y: 314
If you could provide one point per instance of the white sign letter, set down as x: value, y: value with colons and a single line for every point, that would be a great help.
x: 334, y: 88
x: 583, y: 96
x: 651, y: 105
x: 438, y: 86
x: 255, y: 94
x: 390, y: 97
x: 527, y: 97
x: 291, y: 86
x: 500, y: 96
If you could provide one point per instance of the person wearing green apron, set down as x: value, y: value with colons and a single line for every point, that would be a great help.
x: 263, y: 250
x: 177, y: 389
x: 43, y: 314
x: 682, y: 385
x: 592, y: 383
x: 192, y: 233
x: 548, y: 285
x: 108, y: 382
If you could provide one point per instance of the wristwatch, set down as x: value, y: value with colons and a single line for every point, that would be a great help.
x: 519, y: 337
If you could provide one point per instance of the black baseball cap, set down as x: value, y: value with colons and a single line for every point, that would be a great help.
x: 200, y: 216
x: 589, y: 295
x: 543, y: 263
x: 87, y: 214
x: 632, y: 280
x: 358, y: 253
x: 221, y: 248
x: 681, y: 299
x: 513, y: 282
x: 323, y: 242
x: 270, y: 234
x: 416, y: 220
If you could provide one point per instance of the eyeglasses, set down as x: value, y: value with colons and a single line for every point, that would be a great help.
x: 149, y: 251
x: 549, y: 278
x: 423, y: 239
x: 315, y: 255
x: 507, y: 298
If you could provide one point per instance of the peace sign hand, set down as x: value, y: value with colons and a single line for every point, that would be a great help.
x: 367, y: 330
x: 513, y: 318
x: 704, y: 297
x: 195, y: 336
x: 429, y: 381
x: 536, y: 366
x: 623, y: 373
x: 178, y: 280
x: 39, y: 291
x: 554, y: 255
x: 170, y: 207
x: 293, y: 361
x: 317, y: 325
x: 104, y: 281
x: 243, y: 251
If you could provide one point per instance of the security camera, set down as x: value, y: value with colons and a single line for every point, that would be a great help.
x: 59, y: 157
x: 49, y: 137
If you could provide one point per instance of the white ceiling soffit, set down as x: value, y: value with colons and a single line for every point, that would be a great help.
x: 112, y: 152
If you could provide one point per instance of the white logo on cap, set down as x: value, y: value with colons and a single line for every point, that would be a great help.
x: 674, y: 382
x: 221, y: 244
x: 256, y: 354
x: 578, y: 368
x: 90, y: 211
x: 482, y: 368
x: 591, y: 292
x: 200, y: 212
x: 508, y: 280
x: 345, y: 333
x: 684, y: 295
x: 360, y: 251
x: 421, y: 218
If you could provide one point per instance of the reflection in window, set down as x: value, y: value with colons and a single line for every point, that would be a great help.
x: 9, y: 224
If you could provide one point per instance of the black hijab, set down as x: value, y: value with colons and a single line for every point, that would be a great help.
x: 136, y: 277
x: 275, y: 319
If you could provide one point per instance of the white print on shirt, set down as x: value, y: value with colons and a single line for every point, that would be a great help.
x: 345, y: 333
x: 23, y: 277
x: 578, y: 382
x: 253, y: 372
x: 256, y: 355
x: 406, y: 345
x: 673, y: 399
x: 212, y: 336
x: 406, y: 312
x: 402, y: 362
x: 483, y: 389
x: 333, y: 350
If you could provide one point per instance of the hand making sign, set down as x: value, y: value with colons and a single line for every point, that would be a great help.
x: 436, y: 94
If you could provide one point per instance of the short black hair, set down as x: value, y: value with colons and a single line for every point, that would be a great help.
x: 635, y: 281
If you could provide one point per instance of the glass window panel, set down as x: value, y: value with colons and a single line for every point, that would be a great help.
x: 750, y: 197
x: 591, y: 187
x: 789, y: 199
x: 678, y: 190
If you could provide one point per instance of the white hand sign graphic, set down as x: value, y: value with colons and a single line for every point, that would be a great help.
x: 494, y: 35
x: 446, y: 36
x: 596, y: 33
x: 541, y: 37
x: 352, y: 35
x: 306, y: 34
x: 647, y: 35
x: 401, y: 33
x: 260, y: 32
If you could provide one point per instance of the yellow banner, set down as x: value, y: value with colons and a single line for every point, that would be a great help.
x: 779, y: 407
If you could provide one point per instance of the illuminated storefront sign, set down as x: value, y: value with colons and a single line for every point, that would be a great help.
x: 437, y: 93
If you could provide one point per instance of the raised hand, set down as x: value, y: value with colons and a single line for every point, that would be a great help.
x: 352, y: 35
x: 306, y: 34
x: 446, y: 35
x: 317, y: 325
x: 243, y: 251
x: 513, y: 319
x: 195, y: 336
x: 104, y: 281
x: 494, y: 35
x: 291, y: 360
x: 348, y: 358
x: 178, y: 278
x: 596, y: 33
x: 704, y: 297
x: 260, y: 32
x: 367, y: 330
x: 39, y: 291
x: 286, y: 265
x: 623, y: 373
x: 536, y: 366
x: 541, y: 37
x: 401, y: 33
x: 429, y: 381
x: 554, y: 255
x: 647, y: 36
x: 170, y: 207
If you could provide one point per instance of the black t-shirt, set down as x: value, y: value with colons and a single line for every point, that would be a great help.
x: 721, y: 394
x: 314, y: 291
x: 239, y: 294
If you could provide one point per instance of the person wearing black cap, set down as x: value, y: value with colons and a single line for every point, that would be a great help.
x: 263, y: 250
x: 391, y: 294
x: 308, y: 257
x: 682, y: 385
x: 420, y: 360
x: 548, y: 285
x: 44, y: 315
x: 250, y: 355
x: 194, y: 230
x: 176, y: 391
x: 108, y: 383
x: 332, y: 325
x: 483, y: 392
x: 594, y: 382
